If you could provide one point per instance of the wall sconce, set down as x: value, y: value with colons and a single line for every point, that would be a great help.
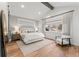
x: 36, y: 29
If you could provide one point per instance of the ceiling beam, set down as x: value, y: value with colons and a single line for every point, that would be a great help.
x: 48, y: 5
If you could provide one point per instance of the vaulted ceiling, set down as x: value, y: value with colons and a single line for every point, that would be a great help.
x: 35, y: 10
x: 32, y: 10
x: 65, y: 4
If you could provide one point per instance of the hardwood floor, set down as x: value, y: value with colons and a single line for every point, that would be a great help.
x: 51, y: 50
x: 12, y: 50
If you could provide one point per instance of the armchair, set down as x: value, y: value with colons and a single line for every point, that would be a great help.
x: 63, y: 40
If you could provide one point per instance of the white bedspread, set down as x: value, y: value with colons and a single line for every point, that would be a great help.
x: 31, y: 37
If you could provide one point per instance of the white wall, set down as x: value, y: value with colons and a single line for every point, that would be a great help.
x: 75, y: 27
x: 15, y: 21
x: 74, y: 22
x: 12, y: 20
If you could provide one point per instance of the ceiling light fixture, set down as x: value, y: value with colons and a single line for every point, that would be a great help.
x: 39, y: 13
x: 22, y: 6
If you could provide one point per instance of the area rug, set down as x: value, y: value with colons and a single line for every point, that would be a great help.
x: 26, y: 49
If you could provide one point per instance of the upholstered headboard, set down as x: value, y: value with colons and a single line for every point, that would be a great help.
x: 26, y: 29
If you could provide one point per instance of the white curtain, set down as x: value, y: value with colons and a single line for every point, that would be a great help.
x: 66, y: 23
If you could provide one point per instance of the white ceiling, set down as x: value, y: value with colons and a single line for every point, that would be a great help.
x: 35, y: 10
x: 60, y: 4
x: 32, y: 10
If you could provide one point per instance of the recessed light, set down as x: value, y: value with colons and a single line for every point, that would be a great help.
x: 22, y: 6
x: 39, y: 13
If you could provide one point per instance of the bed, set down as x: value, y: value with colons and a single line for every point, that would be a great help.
x: 29, y: 35
x: 32, y: 37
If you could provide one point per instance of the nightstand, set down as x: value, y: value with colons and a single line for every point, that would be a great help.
x: 6, y: 38
x: 16, y: 36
